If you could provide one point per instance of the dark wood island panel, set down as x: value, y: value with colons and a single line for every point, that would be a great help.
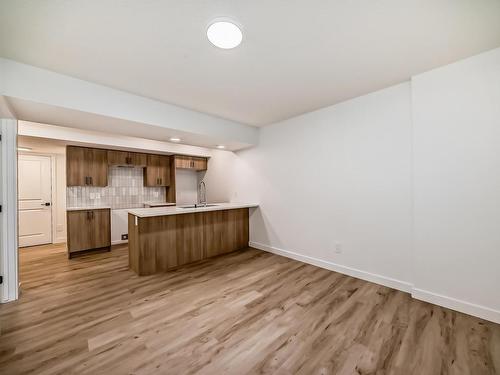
x: 160, y: 243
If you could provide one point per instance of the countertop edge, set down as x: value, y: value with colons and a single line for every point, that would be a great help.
x: 166, y: 211
x: 88, y: 208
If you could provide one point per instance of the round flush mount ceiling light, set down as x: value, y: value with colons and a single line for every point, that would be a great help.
x: 224, y: 34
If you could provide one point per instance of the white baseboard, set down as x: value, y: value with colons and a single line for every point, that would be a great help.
x: 436, y: 299
x: 457, y: 305
x: 374, y: 278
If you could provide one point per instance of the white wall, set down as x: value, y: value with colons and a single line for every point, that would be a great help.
x: 119, y: 225
x: 220, y: 177
x: 456, y: 111
x: 60, y: 194
x: 186, y: 186
x: 406, y: 180
x: 340, y: 174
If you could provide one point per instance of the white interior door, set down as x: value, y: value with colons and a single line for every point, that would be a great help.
x: 35, y: 195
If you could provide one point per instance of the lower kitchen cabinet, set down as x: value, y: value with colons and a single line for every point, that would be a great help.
x: 88, y: 229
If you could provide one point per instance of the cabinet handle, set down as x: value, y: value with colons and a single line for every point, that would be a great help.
x: 91, y: 181
x: 160, y: 180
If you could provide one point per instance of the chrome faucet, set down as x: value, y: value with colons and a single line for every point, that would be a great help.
x: 202, y: 193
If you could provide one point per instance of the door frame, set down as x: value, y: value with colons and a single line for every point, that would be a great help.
x: 53, y: 195
x: 9, y: 264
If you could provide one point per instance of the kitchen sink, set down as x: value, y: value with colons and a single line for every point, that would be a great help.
x: 198, y: 206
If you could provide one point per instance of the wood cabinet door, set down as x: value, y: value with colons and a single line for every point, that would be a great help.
x: 101, y: 228
x: 137, y: 159
x: 76, y: 167
x: 190, y: 162
x: 79, y: 230
x: 200, y: 164
x: 151, y: 174
x: 88, y: 229
x: 118, y: 158
x: 164, y: 170
x: 97, y: 164
x: 182, y: 162
x: 125, y: 158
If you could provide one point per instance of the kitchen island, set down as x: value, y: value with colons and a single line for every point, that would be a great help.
x: 163, y: 238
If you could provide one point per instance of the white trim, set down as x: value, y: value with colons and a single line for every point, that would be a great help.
x: 368, y: 276
x: 9, y: 290
x: 479, y: 311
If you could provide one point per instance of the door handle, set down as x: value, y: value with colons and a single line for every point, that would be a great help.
x: 46, y: 204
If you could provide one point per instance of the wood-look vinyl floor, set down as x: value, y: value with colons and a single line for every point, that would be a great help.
x: 243, y: 313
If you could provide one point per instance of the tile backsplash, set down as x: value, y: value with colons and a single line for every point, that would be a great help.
x: 125, y: 190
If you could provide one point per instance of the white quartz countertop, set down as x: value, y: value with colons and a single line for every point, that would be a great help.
x: 83, y: 208
x: 164, y: 211
x: 159, y: 204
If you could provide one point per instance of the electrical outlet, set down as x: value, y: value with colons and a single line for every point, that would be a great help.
x: 338, y: 247
x: 124, y: 237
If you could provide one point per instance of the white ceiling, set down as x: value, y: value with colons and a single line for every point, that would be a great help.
x: 296, y: 56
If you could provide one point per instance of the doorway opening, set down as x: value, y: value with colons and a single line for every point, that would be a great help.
x: 41, y: 197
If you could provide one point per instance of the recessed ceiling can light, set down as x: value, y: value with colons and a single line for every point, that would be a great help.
x: 224, y: 34
x: 221, y: 146
x: 175, y: 139
x: 24, y: 149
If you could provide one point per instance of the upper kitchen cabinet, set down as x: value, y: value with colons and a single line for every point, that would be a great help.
x: 157, y: 171
x: 191, y: 162
x: 86, y: 166
x: 126, y: 159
